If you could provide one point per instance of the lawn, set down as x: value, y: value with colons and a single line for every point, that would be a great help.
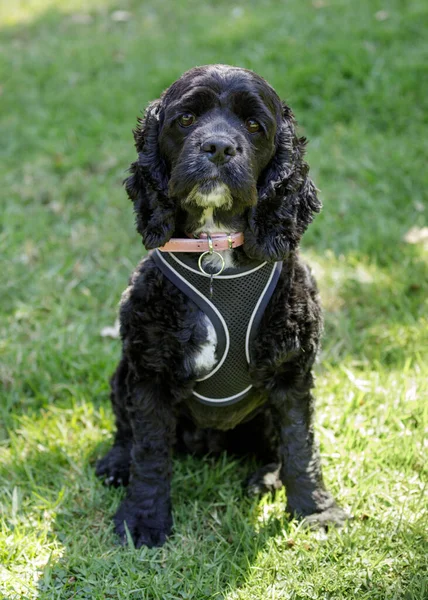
x: 73, y: 78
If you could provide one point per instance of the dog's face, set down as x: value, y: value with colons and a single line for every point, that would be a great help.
x: 217, y: 136
x: 220, y: 138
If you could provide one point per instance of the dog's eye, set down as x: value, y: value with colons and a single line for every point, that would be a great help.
x: 252, y: 125
x: 187, y: 119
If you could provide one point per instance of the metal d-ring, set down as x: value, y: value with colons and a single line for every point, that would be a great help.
x: 210, y: 251
x: 201, y: 268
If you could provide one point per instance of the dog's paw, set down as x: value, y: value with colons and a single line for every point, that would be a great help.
x: 144, y: 531
x: 114, y: 467
x: 264, y: 480
x: 331, y: 517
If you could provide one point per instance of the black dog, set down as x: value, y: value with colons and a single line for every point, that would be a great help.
x: 217, y: 152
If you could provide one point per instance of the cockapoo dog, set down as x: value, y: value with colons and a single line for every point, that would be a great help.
x: 221, y: 322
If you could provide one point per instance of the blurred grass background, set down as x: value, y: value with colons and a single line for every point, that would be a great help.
x: 73, y: 77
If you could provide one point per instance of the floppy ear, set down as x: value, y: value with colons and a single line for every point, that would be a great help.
x: 287, y: 198
x: 147, y: 185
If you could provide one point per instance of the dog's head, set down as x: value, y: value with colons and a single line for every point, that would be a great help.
x: 220, y: 138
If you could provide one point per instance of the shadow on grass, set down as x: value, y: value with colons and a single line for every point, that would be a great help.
x: 221, y: 541
x: 217, y: 537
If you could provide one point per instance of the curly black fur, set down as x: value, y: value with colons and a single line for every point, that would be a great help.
x: 273, y: 201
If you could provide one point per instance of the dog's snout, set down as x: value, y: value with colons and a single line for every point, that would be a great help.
x: 219, y: 150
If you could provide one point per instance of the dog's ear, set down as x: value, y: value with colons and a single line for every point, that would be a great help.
x: 147, y: 185
x: 287, y: 198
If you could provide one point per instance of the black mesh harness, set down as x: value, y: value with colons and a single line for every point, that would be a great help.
x: 235, y: 309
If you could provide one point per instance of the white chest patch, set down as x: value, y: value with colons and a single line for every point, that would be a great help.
x: 205, y: 360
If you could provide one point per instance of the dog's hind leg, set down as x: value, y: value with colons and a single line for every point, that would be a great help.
x: 259, y: 437
x: 191, y: 439
x: 114, y: 466
x: 264, y: 480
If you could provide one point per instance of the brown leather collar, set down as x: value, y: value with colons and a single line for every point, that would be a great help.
x: 220, y: 241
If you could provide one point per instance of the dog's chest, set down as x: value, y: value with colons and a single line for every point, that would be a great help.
x: 232, y: 315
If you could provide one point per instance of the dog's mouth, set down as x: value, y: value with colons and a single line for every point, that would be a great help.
x: 209, y: 194
x: 228, y: 189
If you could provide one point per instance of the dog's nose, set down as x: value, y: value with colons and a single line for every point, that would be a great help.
x: 219, y: 150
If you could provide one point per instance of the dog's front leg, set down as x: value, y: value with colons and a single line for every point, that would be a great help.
x: 146, y: 511
x: 300, y: 461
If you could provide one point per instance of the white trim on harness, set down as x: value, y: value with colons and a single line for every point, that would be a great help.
x: 250, y: 323
x: 215, y: 276
x: 228, y: 399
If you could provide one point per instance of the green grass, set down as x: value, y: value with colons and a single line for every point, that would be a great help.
x: 72, y: 81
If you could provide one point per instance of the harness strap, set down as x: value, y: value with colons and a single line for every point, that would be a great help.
x: 203, y: 303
